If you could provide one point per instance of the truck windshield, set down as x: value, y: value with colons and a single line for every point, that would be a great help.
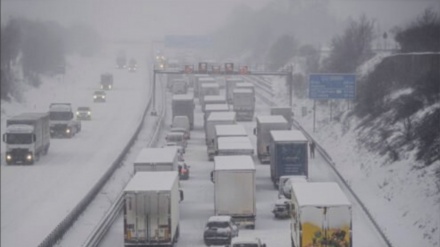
x: 218, y: 224
x: 19, y: 138
x: 60, y: 115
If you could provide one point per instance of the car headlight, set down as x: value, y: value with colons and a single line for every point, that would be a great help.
x: 94, y: 96
x: 77, y: 113
x: 67, y: 131
x: 29, y: 157
x: 109, y: 86
x: 8, y: 157
x: 89, y: 113
x: 103, y: 96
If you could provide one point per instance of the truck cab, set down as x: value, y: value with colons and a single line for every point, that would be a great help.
x: 62, y: 122
x: 106, y: 81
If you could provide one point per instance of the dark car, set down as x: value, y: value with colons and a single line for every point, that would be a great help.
x: 83, y: 113
x: 106, y: 81
x: 219, y: 230
x: 183, y: 171
x: 99, y: 96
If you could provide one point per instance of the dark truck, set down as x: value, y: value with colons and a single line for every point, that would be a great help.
x: 121, y: 61
x: 106, y: 81
x: 183, y: 105
x: 288, y: 152
x: 62, y: 121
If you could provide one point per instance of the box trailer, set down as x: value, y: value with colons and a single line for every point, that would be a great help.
x: 156, y: 159
x: 151, y: 209
x: 183, y: 105
x: 284, y: 111
x: 264, y: 125
x: 230, y: 85
x: 234, y: 188
x: 320, y: 216
x: 228, y: 130
x: 236, y: 145
x: 288, y: 154
x: 244, y: 104
x: 27, y: 137
x: 213, y: 108
x: 206, y: 89
x: 216, y: 118
x: 213, y: 99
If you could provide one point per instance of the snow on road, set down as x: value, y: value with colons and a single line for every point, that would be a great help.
x: 36, y: 198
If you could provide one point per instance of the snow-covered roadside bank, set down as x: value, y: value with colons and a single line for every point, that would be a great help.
x: 36, y: 198
x: 403, y: 200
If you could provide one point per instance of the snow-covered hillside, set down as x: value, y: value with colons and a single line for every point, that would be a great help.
x: 404, y: 200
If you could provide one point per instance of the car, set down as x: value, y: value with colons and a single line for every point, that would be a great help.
x: 83, y: 113
x: 220, y: 230
x: 106, y: 81
x: 247, y: 242
x: 183, y: 170
x: 99, y: 96
x: 281, y: 208
x: 132, y: 65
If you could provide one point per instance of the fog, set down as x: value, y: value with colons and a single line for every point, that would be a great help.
x: 146, y: 19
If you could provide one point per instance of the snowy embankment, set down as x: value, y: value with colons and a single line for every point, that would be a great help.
x: 36, y: 198
x: 405, y: 201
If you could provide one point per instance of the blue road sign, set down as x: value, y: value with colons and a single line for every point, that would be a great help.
x: 187, y: 41
x: 332, y: 86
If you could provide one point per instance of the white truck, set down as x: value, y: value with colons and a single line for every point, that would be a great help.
x: 213, y: 99
x: 284, y: 111
x: 265, y: 124
x: 243, y: 104
x: 62, y: 121
x: 213, y: 108
x: 27, y: 137
x: 228, y: 130
x: 183, y: 105
x: 216, y: 118
x: 245, y: 85
x: 179, y: 86
x: 320, y: 215
x: 235, y: 145
x: 151, y: 209
x: 230, y: 85
x: 208, y: 89
x: 234, y: 189
x: 156, y: 159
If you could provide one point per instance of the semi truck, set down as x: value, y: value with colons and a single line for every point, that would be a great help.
x: 228, y: 130
x: 151, y: 209
x: 213, y: 99
x: 244, y: 104
x: 183, y: 105
x: 197, y: 83
x: 235, y: 145
x: 209, y: 108
x: 234, y: 189
x: 288, y: 154
x: 265, y: 124
x: 27, y: 137
x: 208, y: 89
x: 179, y: 86
x: 62, y: 121
x: 321, y: 215
x: 216, y: 118
x: 106, y: 81
x: 284, y: 111
x: 230, y: 85
x: 156, y: 159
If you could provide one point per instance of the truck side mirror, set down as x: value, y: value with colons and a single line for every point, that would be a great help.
x: 34, y: 138
x: 212, y: 176
x: 268, y: 149
x: 181, y: 195
x: 4, y: 137
x: 71, y: 114
x: 255, y: 131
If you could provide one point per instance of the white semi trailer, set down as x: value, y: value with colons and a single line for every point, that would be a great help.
x: 156, y: 159
x: 234, y: 189
x: 151, y: 209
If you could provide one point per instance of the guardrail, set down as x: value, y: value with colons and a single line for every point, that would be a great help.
x: 65, y: 224
x: 329, y: 161
x: 99, y: 232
